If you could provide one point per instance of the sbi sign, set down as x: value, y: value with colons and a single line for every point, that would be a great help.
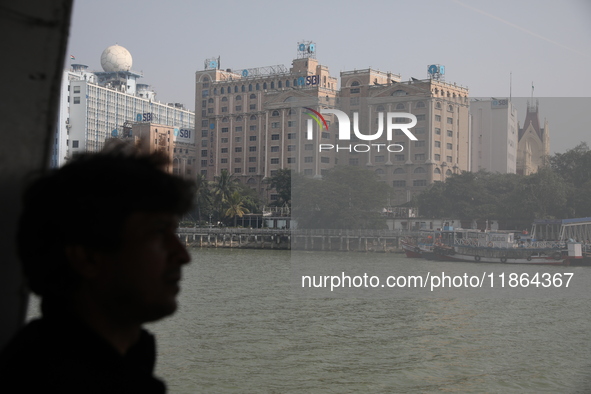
x: 184, y: 135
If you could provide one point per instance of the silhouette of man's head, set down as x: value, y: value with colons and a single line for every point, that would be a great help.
x: 103, y: 228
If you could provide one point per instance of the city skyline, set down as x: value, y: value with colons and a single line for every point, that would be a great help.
x: 485, y: 47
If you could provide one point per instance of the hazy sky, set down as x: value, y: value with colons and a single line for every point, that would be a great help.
x: 481, y: 43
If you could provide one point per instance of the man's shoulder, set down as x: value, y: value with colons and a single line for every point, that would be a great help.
x: 67, y: 354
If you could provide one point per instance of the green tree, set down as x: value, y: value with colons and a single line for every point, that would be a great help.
x: 346, y: 198
x: 236, y: 206
x: 281, y: 182
x: 223, y: 187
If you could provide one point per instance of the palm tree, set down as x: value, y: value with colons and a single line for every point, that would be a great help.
x: 236, y: 206
x: 202, y: 195
x: 223, y: 187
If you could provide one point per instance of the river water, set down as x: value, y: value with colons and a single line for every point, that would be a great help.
x: 245, y: 325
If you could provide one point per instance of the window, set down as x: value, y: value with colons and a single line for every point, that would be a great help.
x: 420, y: 156
x: 252, y: 127
x: 325, y: 135
x: 420, y: 170
x: 252, y: 138
x: 438, y: 105
x: 438, y: 118
x: 250, y: 87
x: 309, y: 159
x: 437, y: 157
x: 450, y: 133
x: 204, y: 93
x: 210, y: 110
x: 238, y: 129
x: 225, y: 129
x: 274, y: 125
x: 274, y: 137
x: 237, y: 160
x: 291, y: 136
x: 253, y: 117
x: 76, y: 100
x: 252, y: 159
x: 399, y: 183
x: 448, y: 172
x: 275, y: 160
x: 252, y: 169
x: 224, y: 161
x: 308, y: 147
x: 224, y: 99
x: 308, y: 172
x: 450, y: 121
x: 252, y: 148
x: 291, y: 148
x: 274, y: 197
x: 273, y: 173
x: 204, y: 173
x: 75, y: 144
x: 225, y: 119
x: 419, y: 130
x: 238, y: 98
x: 204, y: 143
x: 203, y: 163
x: 76, y: 89
x: 380, y: 159
x: 437, y: 144
x: 399, y: 157
x: 291, y: 160
x: 325, y: 159
x: 238, y: 139
x: 239, y: 108
x: 252, y: 107
x: 400, y: 106
x: 224, y: 140
x: 291, y: 123
x: 399, y: 171
x: 437, y: 171
x: 275, y: 148
x: 354, y: 161
x: 449, y: 146
x: 450, y: 108
x: 204, y: 153
x: 238, y: 149
x: 237, y: 169
x: 224, y: 109
x: 204, y: 133
x: 224, y: 150
x: 419, y: 182
x: 419, y: 143
x: 449, y: 159
x: 437, y: 130
x: 420, y: 117
x: 275, y: 113
x: 354, y: 100
x: 421, y: 104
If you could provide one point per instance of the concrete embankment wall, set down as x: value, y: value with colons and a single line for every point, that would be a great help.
x: 346, y: 241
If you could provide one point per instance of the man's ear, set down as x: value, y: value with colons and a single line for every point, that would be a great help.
x: 82, y: 260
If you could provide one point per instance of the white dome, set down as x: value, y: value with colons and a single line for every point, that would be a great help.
x: 116, y: 58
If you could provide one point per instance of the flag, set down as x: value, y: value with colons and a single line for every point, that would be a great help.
x: 72, y: 57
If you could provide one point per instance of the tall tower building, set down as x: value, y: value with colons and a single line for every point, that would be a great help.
x: 494, y: 135
x: 95, y: 106
x: 534, y: 142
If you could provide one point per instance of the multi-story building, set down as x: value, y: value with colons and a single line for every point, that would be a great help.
x: 442, y: 129
x: 534, y: 142
x: 95, y: 105
x: 249, y: 120
x: 494, y: 135
x: 256, y: 121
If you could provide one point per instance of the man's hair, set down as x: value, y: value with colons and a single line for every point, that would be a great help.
x: 86, y: 202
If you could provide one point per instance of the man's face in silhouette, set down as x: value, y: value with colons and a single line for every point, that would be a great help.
x: 141, y: 280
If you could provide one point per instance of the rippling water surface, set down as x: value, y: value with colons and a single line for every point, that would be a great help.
x: 244, y: 326
x: 241, y: 327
